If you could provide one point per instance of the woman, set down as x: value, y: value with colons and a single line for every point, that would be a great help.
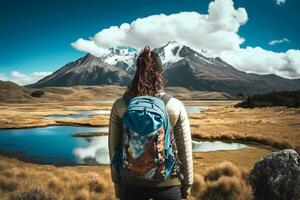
x: 148, y: 80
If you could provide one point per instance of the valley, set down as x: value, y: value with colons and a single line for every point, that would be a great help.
x: 54, y: 132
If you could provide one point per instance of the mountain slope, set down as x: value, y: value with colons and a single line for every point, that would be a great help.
x: 88, y: 70
x: 187, y: 68
x: 187, y: 73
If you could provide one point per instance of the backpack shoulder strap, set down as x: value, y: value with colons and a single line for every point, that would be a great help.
x: 165, y: 97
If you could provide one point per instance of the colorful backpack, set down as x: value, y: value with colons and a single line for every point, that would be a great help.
x: 148, y: 149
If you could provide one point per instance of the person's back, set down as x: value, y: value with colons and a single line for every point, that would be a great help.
x: 173, y: 186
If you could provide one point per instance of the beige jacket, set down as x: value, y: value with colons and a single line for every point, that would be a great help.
x: 179, y: 120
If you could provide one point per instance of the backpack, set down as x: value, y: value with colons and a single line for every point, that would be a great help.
x: 148, y: 150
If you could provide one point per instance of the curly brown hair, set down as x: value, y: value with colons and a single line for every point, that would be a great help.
x: 148, y: 78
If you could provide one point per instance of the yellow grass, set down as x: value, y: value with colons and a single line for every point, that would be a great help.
x: 85, y: 182
x: 222, y: 181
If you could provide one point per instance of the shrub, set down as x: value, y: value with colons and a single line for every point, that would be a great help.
x: 285, y: 98
x: 37, y: 93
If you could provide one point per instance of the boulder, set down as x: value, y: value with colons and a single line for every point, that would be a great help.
x: 277, y: 176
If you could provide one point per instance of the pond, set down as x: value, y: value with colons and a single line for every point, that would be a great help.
x: 55, y: 145
x: 81, y: 114
x: 49, y: 145
x: 194, y: 109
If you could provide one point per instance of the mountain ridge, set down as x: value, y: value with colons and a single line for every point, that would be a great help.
x: 182, y: 66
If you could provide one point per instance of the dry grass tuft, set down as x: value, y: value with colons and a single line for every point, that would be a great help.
x: 9, y: 173
x: 8, y: 185
x: 224, y: 169
x: 82, y: 195
x: 96, y: 186
x: 229, y: 188
x: 33, y: 193
x: 224, y: 181
x: 199, y: 186
x: 56, y: 186
x: 22, y: 175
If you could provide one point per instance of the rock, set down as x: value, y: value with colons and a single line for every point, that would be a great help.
x: 277, y: 176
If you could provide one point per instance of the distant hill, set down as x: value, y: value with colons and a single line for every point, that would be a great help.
x: 11, y: 92
x: 183, y: 67
x: 284, y: 98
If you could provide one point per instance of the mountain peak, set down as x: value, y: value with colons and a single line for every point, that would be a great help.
x: 89, y: 59
x: 121, y: 56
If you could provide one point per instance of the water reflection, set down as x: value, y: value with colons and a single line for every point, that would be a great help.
x: 96, y: 151
x: 194, y: 109
x: 205, y: 146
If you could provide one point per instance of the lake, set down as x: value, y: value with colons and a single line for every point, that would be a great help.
x: 87, y: 113
x: 55, y: 145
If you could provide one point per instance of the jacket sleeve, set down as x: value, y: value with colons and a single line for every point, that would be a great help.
x: 114, y: 138
x: 182, y: 133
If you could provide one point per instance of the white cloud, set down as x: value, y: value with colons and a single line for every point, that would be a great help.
x: 23, y: 79
x: 2, y: 77
x: 280, y: 2
x: 215, y: 32
x: 261, y: 61
x: 190, y: 28
x: 274, y: 42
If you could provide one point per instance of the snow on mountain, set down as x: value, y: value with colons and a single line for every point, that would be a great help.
x: 122, y: 57
x: 174, y: 51
x: 169, y: 53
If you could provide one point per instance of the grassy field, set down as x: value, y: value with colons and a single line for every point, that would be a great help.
x: 218, y: 174
x: 93, y: 182
x: 277, y: 126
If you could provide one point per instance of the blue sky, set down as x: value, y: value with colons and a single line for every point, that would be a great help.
x: 36, y: 35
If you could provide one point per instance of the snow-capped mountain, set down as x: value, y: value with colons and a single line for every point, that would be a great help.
x: 174, y: 51
x: 170, y: 53
x: 88, y: 70
x: 182, y: 66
